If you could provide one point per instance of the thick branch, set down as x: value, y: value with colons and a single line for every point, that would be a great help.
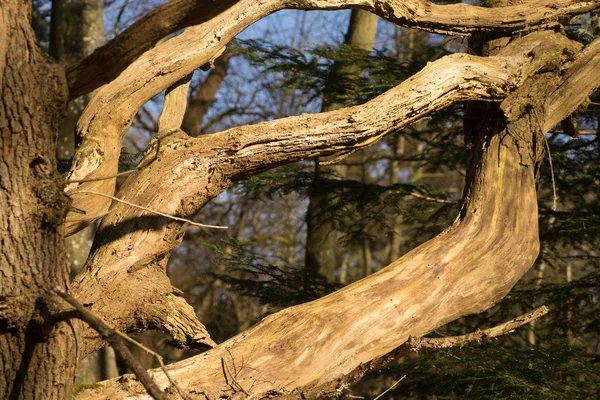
x: 174, y: 107
x: 116, y: 341
x: 416, y: 344
x: 107, y: 62
x: 454, y: 78
x: 180, y: 174
x: 558, y: 100
x: 580, y: 80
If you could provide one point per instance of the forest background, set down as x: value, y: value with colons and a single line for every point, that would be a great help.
x: 301, y: 231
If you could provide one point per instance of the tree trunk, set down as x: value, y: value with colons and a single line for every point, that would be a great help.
x: 204, y: 98
x: 32, y: 253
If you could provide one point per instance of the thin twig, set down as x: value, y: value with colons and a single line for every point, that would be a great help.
x: 428, y: 198
x: 101, y: 178
x: 234, y: 384
x: 158, y: 358
x: 554, y: 197
x: 390, y: 388
x: 417, y: 344
x: 149, y: 209
x: 117, y: 343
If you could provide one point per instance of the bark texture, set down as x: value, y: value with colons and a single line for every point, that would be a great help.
x: 37, y: 356
x: 464, y: 270
x: 77, y: 28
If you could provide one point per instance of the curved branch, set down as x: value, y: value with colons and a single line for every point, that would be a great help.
x: 454, y: 78
x: 179, y: 174
x: 579, y: 81
x: 560, y: 99
x: 108, y: 61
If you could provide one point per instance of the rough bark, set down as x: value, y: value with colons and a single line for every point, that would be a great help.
x: 37, y: 355
x: 76, y: 29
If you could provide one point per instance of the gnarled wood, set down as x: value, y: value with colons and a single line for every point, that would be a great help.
x: 179, y: 174
x: 110, y: 113
x: 464, y: 270
x: 105, y: 120
x: 32, y: 254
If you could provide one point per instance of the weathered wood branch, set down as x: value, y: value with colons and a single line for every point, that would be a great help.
x: 579, y: 81
x: 416, y: 344
x: 107, y: 62
x: 116, y: 341
x: 464, y: 270
x: 174, y: 107
x: 103, y: 123
x: 180, y: 174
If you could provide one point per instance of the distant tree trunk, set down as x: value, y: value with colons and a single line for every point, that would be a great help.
x: 395, y: 243
x: 32, y: 252
x: 203, y: 99
x: 531, y: 336
x: 321, y: 237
